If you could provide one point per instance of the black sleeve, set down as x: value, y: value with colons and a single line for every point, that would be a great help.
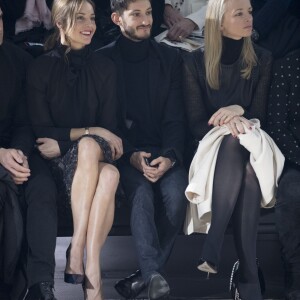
x: 38, y: 76
x: 280, y: 109
x: 108, y: 110
x: 22, y: 135
x: 194, y: 95
x: 173, y: 127
x: 258, y: 107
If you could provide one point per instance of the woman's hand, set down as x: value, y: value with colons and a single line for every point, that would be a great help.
x: 235, y: 125
x: 225, y: 114
x: 114, y: 141
x: 48, y: 148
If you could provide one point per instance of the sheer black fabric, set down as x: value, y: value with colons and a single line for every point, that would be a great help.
x: 201, y: 101
x: 236, y: 196
x: 73, y: 91
x: 236, y: 191
x: 65, y: 166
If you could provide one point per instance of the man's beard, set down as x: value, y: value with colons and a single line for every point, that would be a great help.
x: 131, y: 33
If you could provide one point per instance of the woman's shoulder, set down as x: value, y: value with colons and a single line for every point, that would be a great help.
x: 101, y: 59
x: 43, y: 64
x: 194, y: 60
x: 292, y: 58
x: 46, y: 58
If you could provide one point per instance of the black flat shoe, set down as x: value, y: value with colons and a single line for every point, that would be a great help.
x: 72, y: 278
x: 41, y: 291
x: 158, y: 288
x: 131, y: 286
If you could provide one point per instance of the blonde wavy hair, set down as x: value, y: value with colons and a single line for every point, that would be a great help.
x: 64, y: 13
x: 213, y: 45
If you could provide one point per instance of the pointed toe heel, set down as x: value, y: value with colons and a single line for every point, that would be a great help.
x: 207, y: 267
x: 72, y: 278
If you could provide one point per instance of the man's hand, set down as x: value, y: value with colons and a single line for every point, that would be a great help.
x: 21, y: 179
x: 157, y: 168
x: 137, y: 159
x: 48, y: 148
x: 15, y: 162
x: 181, y: 30
x: 171, y: 16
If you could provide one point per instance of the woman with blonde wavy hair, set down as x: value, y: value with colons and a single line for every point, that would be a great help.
x: 226, y: 86
x: 72, y: 104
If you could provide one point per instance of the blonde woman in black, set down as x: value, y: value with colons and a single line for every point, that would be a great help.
x: 228, y: 84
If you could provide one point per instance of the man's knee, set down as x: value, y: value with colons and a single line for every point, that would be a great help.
x: 42, y: 189
x: 143, y: 197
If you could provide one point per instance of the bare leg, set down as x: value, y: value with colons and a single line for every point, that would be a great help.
x: 99, y: 224
x: 82, y: 193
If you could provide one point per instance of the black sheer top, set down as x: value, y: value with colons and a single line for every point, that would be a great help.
x: 71, y: 91
x: 202, y: 101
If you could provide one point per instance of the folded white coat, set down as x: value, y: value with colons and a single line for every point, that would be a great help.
x: 265, y: 158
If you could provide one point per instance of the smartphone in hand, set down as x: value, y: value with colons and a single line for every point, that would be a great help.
x: 147, y: 161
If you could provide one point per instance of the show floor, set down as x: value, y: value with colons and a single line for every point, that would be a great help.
x: 118, y: 260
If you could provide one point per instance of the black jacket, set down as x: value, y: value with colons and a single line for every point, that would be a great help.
x: 165, y: 95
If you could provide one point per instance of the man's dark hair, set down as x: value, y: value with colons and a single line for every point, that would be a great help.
x: 120, y: 5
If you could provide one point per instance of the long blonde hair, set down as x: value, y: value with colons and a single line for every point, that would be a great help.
x: 64, y: 13
x: 213, y: 45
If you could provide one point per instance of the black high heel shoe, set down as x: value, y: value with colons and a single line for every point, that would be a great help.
x: 207, y: 267
x: 72, y: 278
x: 233, y: 284
x: 234, y: 279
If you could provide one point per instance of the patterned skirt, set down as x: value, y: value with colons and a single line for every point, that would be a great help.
x: 65, y: 166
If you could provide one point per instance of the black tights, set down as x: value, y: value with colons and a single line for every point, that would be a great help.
x: 236, y: 195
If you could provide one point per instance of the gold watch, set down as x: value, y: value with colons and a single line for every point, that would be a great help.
x: 87, y: 130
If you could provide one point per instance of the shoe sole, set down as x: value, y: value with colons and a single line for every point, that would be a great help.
x: 205, y: 267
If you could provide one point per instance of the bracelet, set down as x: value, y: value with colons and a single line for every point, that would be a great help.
x: 87, y: 130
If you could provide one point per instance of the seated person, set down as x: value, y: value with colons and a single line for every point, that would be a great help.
x: 224, y: 88
x: 36, y: 187
x: 284, y: 127
x: 277, y: 31
x: 183, y: 17
x: 152, y: 125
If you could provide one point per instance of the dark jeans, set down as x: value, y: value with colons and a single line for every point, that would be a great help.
x: 157, y: 214
x: 41, y: 222
x: 288, y: 224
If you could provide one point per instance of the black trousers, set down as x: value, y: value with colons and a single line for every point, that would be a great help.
x: 41, y: 221
x: 288, y: 223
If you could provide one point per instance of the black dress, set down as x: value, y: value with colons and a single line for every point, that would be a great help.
x: 75, y: 90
